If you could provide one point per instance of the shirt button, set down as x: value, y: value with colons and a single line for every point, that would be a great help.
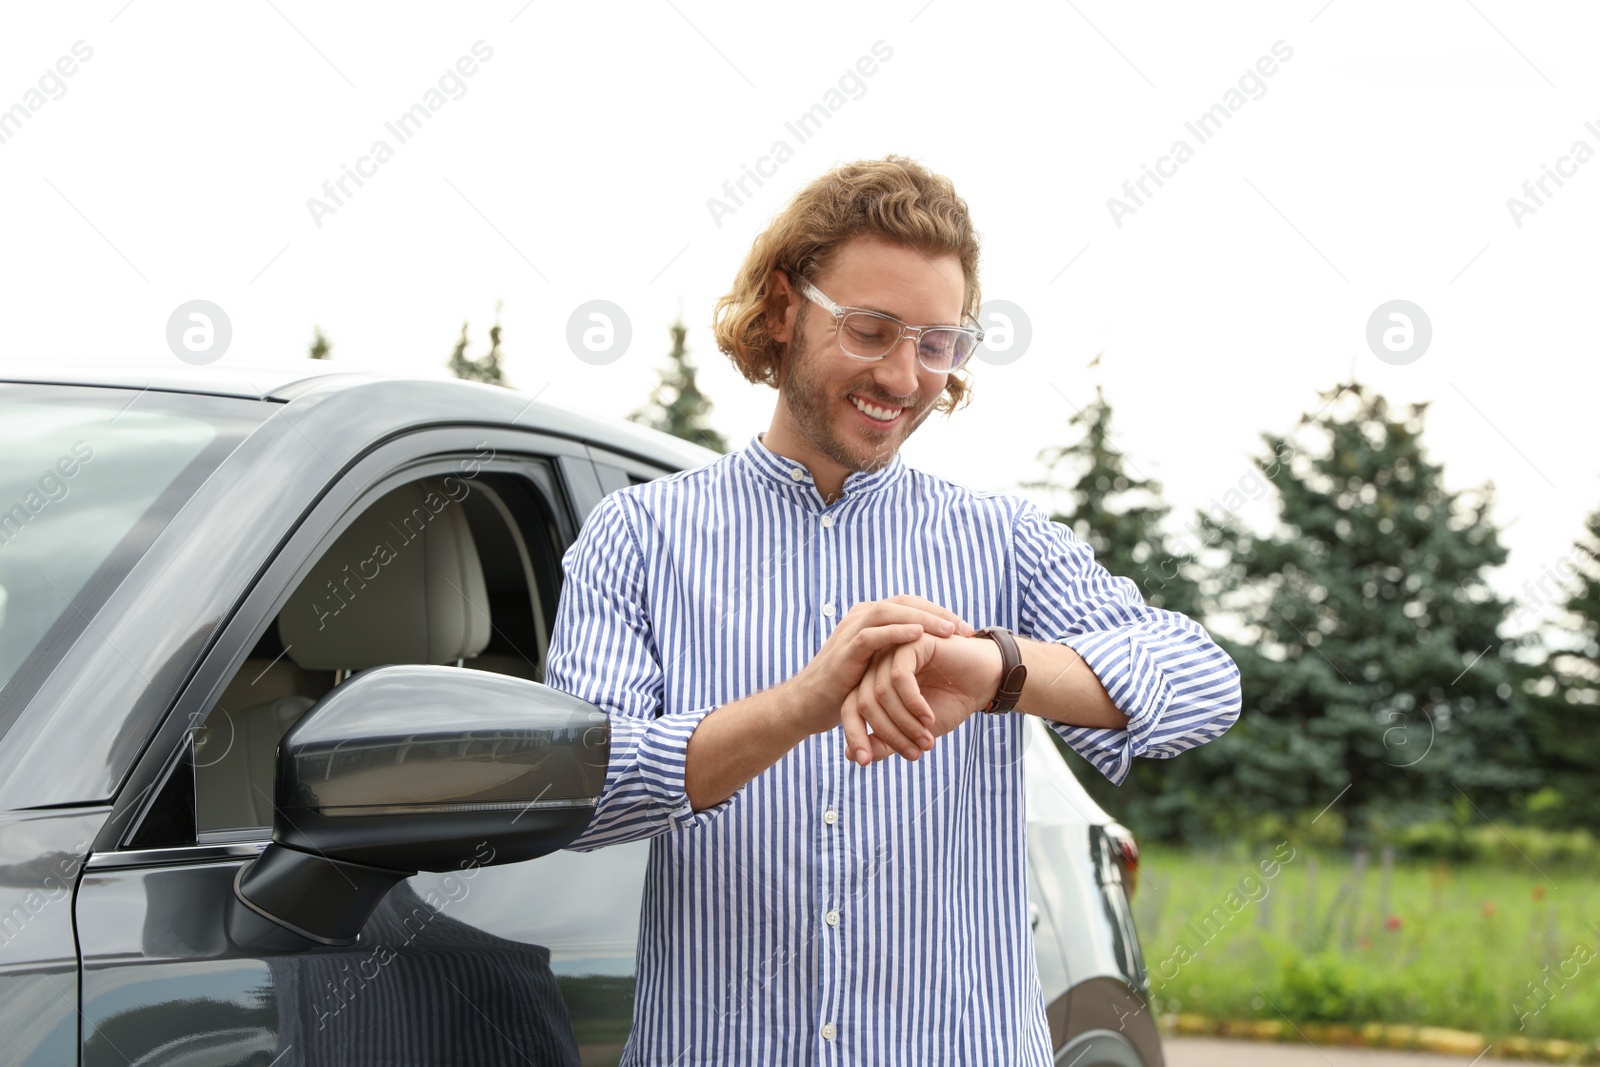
x: 828, y: 1030
x: 827, y: 521
x: 832, y: 918
x: 830, y: 816
x: 827, y: 609
x: 797, y: 473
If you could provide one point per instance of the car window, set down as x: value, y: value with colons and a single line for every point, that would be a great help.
x: 88, y: 477
x: 444, y: 569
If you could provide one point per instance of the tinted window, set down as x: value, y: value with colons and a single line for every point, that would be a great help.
x: 88, y: 477
x: 446, y: 569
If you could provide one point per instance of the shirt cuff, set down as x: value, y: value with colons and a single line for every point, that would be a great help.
x: 1138, y: 687
x: 644, y: 793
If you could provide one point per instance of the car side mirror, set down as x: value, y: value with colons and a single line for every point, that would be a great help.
x: 414, y: 768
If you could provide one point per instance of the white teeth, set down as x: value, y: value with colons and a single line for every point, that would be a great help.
x: 873, y: 411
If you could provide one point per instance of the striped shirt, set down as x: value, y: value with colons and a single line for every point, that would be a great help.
x: 828, y: 913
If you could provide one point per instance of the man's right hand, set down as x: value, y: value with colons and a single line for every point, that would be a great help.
x: 739, y: 740
x: 867, y: 628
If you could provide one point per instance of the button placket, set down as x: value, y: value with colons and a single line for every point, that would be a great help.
x: 834, y: 847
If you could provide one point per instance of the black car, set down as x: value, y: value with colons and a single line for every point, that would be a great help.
x: 271, y: 639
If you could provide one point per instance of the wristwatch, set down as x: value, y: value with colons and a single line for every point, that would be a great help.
x: 1012, y: 672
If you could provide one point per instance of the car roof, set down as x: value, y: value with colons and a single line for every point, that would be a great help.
x: 284, y: 380
x: 255, y: 380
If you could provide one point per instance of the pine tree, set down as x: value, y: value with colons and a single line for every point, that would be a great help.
x: 488, y: 369
x: 320, y: 345
x: 1564, y: 697
x: 1373, y: 658
x: 1119, y: 512
x: 677, y: 406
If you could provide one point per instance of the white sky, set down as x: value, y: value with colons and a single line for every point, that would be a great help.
x: 578, y: 163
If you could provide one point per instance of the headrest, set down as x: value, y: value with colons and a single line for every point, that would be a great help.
x: 401, y: 584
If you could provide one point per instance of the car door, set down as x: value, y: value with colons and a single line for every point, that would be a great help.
x: 435, y: 548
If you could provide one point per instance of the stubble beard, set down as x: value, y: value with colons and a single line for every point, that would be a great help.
x: 814, y: 415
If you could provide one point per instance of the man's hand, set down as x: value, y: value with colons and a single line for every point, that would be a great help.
x: 739, y: 740
x: 914, y: 692
x: 866, y: 630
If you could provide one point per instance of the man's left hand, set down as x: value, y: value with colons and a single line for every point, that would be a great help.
x: 929, y: 685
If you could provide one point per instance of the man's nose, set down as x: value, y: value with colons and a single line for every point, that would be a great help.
x: 897, y: 371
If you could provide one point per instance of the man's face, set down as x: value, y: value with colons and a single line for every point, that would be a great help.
x: 833, y: 403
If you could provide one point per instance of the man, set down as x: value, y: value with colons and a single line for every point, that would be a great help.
x: 784, y: 639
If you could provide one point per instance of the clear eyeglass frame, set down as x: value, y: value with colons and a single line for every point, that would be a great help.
x: 971, y: 335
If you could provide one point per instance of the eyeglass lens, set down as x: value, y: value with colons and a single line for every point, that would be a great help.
x: 938, y: 349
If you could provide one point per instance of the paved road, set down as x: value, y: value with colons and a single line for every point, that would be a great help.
x: 1215, y: 1052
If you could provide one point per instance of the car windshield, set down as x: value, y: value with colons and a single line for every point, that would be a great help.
x: 88, y: 477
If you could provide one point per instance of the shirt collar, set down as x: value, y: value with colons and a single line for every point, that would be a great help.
x: 792, y: 475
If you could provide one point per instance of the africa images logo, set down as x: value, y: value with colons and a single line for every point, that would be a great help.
x: 403, y: 128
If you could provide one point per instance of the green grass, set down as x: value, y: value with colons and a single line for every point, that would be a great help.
x: 1499, y: 949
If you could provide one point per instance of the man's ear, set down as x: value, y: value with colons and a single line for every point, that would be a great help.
x: 783, y: 305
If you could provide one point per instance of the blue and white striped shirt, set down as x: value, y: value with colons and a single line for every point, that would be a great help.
x: 828, y: 913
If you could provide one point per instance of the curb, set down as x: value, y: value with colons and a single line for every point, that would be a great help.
x: 1380, y: 1035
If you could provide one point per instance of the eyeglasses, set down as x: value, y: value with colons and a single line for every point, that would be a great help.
x: 872, y: 335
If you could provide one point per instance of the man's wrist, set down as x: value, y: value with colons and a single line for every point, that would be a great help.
x: 796, y: 710
x: 994, y: 670
x: 1012, y: 674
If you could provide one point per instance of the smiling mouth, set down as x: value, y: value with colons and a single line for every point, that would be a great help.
x: 876, y: 412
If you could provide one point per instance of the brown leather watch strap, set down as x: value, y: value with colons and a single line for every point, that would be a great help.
x: 1012, y: 672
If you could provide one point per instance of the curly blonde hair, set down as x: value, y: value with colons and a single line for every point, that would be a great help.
x: 894, y: 198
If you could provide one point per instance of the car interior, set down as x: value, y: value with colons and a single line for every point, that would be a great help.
x: 441, y: 570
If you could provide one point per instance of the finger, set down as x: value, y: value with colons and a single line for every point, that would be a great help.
x: 880, y: 721
x: 880, y: 751
x: 904, y: 662
x: 857, y: 748
x: 876, y: 638
x: 887, y: 612
x: 871, y: 643
x: 911, y: 599
x: 889, y: 684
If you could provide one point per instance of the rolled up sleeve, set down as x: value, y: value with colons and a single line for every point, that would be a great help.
x: 1161, y: 669
x: 603, y: 649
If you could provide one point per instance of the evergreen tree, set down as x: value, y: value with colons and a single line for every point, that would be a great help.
x: 677, y: 406
x: 320, y: 345
x: 1564, y: 698
x: 1373, y: 658
x: 1119, y: 512
x: 488, y: 369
